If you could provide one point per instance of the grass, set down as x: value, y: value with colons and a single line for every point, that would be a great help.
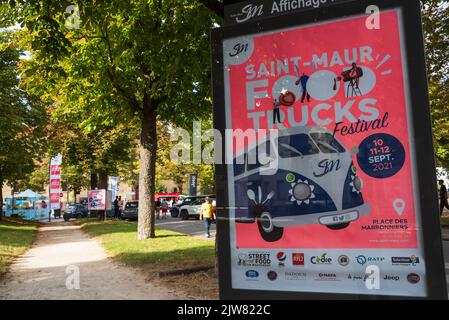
x: 168, y: 251
x: 16, y: 236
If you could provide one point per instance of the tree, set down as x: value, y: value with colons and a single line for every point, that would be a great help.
x: 436, y: 35
x: 21, y: 117
x: 151, y: 58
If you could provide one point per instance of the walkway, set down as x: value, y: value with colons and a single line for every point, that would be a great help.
x: 62, y: 247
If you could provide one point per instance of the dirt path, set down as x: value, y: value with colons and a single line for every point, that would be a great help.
x: 41, y: 272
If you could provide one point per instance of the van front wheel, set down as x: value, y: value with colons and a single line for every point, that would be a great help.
x: 340, y: 226
x: 268, y: 231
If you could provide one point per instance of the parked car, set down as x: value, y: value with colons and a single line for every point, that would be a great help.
x: 130, y: 210
x: 184, y: 200
x: 75, y: 210
x: 193, y: 209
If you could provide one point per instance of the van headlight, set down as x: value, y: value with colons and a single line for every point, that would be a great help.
x: 356, y: 184
x: 302, y: 191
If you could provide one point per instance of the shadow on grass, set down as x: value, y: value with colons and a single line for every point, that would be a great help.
x: 169, y: 235
x: 169, y: 250
x: 16, y: 236
x: 101, y: 228
x: 169, y: 260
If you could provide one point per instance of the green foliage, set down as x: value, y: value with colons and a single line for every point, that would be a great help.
x: 436, y: 30
x: 15, y: 237
x: 128, y: 63
x: 166, y: 169
x: 22, y: 117
x: 160, y: 188
x: 122, y: 54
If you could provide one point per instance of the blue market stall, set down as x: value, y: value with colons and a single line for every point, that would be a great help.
x: 27, y: 205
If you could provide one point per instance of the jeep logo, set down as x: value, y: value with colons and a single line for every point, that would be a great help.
x: 250, y: 11
x: 392, y: 278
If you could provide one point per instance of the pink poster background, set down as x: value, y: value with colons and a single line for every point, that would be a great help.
x: 97, y: 200
x: 390, y: 94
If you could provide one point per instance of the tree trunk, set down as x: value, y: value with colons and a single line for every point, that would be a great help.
x: 93, y: 181
x: 216, y: 252
x: 103, y: 180
x: 102, y: 184
x: 148, y: 147
x: 180, y: 186
x: 1, y: 199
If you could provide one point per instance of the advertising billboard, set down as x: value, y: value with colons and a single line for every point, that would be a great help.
x: 323, y: 189
x: 193, y: 182
x: 99, y: 199
x: 113, y: 186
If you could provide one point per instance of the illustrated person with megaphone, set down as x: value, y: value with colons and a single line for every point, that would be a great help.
x: 352, y: 75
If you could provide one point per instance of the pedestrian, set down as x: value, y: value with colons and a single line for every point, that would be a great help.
x: 116, y: 208
x: 164, y: 208
x: 276, y: 111
x: 206, y: 214
x: 158, y: 207
x: 443, y: 197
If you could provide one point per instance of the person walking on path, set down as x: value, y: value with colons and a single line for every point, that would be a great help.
x: 116, y: 208
x: 206, y: 215
x: 443, y: 197
x: 157, y: 205
x: 164, y: 208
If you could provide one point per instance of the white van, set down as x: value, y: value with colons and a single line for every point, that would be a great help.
x: 315, y: 182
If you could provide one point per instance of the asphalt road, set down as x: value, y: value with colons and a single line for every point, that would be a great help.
x: 192, y: 227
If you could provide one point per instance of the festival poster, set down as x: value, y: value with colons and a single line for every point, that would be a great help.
x: 340, y: 197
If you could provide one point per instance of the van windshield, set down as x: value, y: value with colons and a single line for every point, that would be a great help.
x: 296, y: 145
x: 327, y: 143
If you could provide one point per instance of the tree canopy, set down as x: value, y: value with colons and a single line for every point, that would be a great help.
x: 127, y: 63
x: 436, y: 30
x: 21, y: 117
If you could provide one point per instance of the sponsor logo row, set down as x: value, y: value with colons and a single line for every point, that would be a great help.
x: 265, y: 259
x: 254, y: 275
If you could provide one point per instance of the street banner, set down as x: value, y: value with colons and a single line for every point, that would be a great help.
x: 55, y: 181
x: 113, y: 186
x: 193, y: 182
x: 331, y: 186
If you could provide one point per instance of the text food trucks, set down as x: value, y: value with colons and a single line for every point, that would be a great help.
x: 314, y: 182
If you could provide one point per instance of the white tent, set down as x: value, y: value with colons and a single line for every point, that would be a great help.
x: 28, y: 194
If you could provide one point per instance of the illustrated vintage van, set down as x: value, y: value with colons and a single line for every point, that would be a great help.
x: 315, y: 182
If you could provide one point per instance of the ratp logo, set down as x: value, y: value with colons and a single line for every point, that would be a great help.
x: 250, y: 11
